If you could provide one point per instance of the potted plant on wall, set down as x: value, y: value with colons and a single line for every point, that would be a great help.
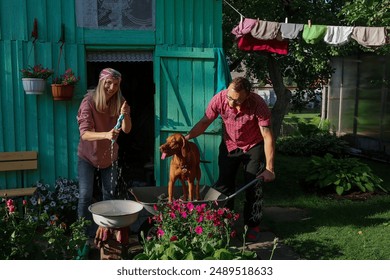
x: 63, y: 86
x: 34, y: 78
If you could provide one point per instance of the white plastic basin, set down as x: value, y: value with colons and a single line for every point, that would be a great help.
x: 115, y: 213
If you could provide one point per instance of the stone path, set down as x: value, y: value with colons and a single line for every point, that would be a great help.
x: 265, y: 245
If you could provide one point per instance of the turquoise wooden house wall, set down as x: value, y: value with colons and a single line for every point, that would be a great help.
x: 185, y: 45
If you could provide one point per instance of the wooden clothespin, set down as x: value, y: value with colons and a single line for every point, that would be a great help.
x: 309, y: 23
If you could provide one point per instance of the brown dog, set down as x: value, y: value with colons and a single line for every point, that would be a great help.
x: 184, y: 165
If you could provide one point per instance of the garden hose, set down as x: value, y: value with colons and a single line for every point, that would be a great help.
x: 118, y: 124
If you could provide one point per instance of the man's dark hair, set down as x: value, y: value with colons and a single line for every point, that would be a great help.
x: 241, y: 83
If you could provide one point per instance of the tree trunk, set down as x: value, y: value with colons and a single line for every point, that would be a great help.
x: 283, y: 96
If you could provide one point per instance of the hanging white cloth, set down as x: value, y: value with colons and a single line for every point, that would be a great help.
x: 338, y: 35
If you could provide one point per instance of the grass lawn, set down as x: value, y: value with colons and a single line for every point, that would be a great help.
x: 335, y: 228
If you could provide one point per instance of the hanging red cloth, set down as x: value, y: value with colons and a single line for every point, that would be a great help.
x: 248, y: 43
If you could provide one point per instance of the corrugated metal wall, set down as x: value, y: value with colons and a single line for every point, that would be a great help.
x: 189, y: 23
x: 31, y: 122
x: 38, y: 122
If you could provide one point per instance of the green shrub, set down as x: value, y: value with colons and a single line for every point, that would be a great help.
x: 342, y: 175
x: 318, y: 144
x: 308, y: 129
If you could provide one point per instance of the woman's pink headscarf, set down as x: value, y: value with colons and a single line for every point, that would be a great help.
x: 109, y: 73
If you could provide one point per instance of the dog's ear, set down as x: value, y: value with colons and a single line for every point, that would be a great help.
x: 184, y: 146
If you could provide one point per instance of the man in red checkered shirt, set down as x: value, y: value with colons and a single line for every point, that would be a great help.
x: 247, y: 140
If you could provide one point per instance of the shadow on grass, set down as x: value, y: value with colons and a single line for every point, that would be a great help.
x: 315, y: 250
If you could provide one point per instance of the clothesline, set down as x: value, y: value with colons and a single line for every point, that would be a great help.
x: 370, y: 37
x: 254, y: 34
x: 233, y: 8
x: 286, y: 19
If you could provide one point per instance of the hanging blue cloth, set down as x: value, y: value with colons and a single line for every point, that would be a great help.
x: 222, y: 76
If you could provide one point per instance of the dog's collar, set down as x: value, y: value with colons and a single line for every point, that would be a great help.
x: 184, y: 168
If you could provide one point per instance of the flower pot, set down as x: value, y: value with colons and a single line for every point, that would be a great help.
x: 62, y: 92
x: 34, y: 85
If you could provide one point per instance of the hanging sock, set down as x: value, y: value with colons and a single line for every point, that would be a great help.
x: 369, y: 37
x: 248, y: 43
x: 244, y: 27
x: 265, y: 30
x: 290, y: 30
x: 338, y: 35
x: 314, y: 33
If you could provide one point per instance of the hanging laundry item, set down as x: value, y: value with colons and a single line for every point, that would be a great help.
x: 369, y: 36
x: 244, y: 27
x: 338, y: 35
x: 223, y: 76
x: 314, y: 33
x: 248, y: 43
x: 290, y: 30
x: 265, y: 30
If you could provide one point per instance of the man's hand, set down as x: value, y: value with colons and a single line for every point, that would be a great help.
x: 267, y: 175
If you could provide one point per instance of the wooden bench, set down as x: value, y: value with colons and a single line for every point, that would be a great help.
x: 18, y: 161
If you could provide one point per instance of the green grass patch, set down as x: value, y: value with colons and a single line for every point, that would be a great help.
x: 334, y: 229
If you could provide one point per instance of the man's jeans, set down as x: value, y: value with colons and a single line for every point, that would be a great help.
x: 252, y: 162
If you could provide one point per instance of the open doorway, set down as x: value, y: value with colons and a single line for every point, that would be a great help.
x: 136, y: 149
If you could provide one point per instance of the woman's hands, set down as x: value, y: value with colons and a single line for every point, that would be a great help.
x: 126, y: 123
x: 112, y: 134
x: 125, y: 109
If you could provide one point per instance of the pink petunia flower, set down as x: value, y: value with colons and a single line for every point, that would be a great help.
x: 172, y: 215
x: 11, y: 208
x: 10, y: 202
x: 199, y: 230
x: 190, y: 206
x: 160, y: 232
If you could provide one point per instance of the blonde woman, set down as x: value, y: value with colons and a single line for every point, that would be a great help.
x: 97, y: 119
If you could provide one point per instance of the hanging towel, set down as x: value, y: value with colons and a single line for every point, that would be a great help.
x: 290, y: 30
x: 223, y: 76
x: 244, y: 27
x: 265, y: 30
x: 314, y: 33
x: 248, y: 43
x: 369, y: 36
x: 338, y: 35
